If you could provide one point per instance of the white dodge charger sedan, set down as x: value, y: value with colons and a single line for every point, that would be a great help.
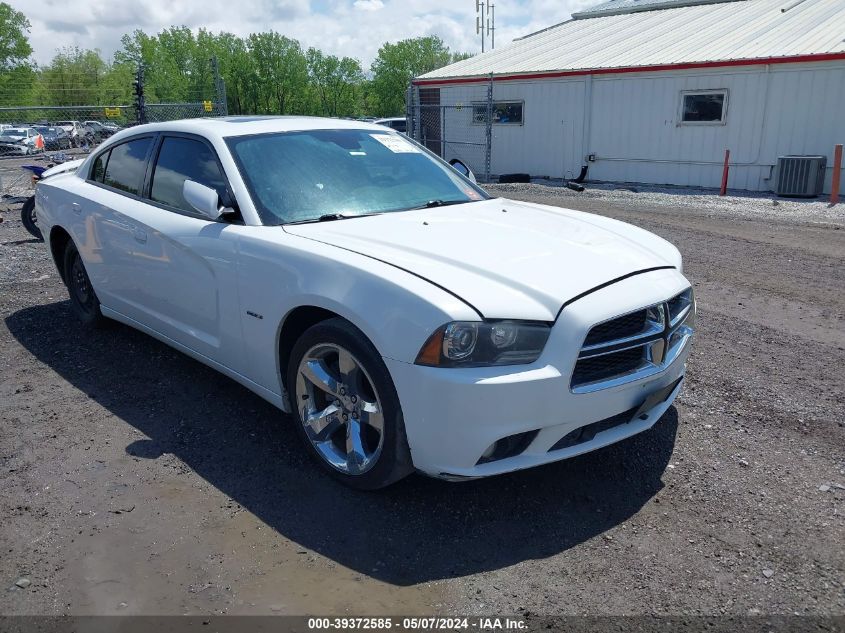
x: 407, y: 319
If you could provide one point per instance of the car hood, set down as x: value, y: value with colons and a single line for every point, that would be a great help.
x: 12, y: 139
x: 507, y: 259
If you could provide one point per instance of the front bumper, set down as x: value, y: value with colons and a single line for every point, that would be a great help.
x: 9, y: 149
x: 453, y: 416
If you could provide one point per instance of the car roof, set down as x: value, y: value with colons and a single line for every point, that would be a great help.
x: 229, y: 126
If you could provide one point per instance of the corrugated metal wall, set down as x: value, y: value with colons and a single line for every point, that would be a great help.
x: 633, y: 124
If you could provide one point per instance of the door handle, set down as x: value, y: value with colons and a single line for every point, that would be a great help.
x: 76, y: 207
x: 140, y: 235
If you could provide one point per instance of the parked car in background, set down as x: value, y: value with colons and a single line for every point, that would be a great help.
x: 55, y: 137
x: 101, y: 131
x: 406, y: 318
x: 397, y: 123
x: 79, y: 134
x: 20, y: 141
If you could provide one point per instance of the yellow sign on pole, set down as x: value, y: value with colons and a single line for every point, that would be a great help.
x: 208, y: 106
x: 112, y: 112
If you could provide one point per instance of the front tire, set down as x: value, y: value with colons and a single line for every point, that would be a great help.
x: 346, y: 408
x: 83, y: 299
x: 30, y: 222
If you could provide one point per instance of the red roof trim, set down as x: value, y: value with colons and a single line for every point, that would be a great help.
x: 821, y: 57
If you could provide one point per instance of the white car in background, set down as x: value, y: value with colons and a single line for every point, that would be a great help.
x: 341, y: 271
x: 79, y: 133
x: 20, y: 141
x: 398, y: 123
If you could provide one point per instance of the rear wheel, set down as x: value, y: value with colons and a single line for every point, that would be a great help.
x: 30, y: 222
x: 83, y: 299
x: 348, y: 414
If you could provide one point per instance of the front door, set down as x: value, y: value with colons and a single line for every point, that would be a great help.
x: 166, y: 266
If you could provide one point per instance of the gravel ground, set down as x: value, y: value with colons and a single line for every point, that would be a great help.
x: 135, y: 480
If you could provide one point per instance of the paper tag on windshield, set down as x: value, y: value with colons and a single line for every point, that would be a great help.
x: 396, y: 143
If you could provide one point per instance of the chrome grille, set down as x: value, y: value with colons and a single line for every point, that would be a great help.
x: 606, y: 366
x: 624, y: 326
x: 634, y: 345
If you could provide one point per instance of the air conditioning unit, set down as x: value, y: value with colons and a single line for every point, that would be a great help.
x: 800, y: 176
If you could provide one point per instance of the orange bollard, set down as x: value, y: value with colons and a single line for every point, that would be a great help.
x: 837, y: 174
x: 724, y: 188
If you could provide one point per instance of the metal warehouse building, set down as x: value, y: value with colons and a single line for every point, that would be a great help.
x: 650, y: 91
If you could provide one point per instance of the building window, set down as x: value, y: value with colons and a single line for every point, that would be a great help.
x: 704, y: 106
x: 504, y: 113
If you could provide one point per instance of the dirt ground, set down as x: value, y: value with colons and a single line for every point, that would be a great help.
x: 134, y: 480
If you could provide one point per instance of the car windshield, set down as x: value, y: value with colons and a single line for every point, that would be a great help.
x: 14, y: 131
x: 328, y: 174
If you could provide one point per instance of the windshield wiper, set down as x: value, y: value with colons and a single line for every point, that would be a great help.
x: 440, y: 203
x: 330, y: 217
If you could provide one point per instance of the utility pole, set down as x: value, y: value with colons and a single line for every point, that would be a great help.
x: 485, y: 22
x: 140, y: 103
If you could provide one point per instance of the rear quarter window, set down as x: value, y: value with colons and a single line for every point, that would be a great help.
x: 126, y: 165
x: 98, y: 170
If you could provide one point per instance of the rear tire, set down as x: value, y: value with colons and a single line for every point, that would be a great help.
x: 345, y: 406
x: 83, y: 299
x: 30, y: 222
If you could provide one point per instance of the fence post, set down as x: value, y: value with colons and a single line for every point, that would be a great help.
x: 489, y: 130
x: 443, y: 131
x: 409, y: 111
x: 724, y: 188
x: 837, y: 174
x: 140, y: 103
x: 219, y: 88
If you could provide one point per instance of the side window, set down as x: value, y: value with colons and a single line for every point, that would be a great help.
x: 504, y: 113
x: 705, y: 106
x: 99, y: 168
x: 182, y: 159
x: 126, y: 166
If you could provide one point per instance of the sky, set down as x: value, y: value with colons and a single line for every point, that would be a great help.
x: 354, y: 28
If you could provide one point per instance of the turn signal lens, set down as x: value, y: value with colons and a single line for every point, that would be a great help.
x: 430, y: 352
x: 487, y: 343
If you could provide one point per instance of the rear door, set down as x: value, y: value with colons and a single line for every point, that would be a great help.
x: 112, y: 198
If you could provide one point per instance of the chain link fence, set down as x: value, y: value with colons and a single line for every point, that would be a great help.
x: 44, y: 135
x: 459, y: 131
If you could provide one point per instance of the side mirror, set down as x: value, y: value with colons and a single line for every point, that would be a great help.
x: 462, y: 169
x: 204, y: 200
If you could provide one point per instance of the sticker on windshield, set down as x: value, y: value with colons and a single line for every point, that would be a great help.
x: 396, y: 143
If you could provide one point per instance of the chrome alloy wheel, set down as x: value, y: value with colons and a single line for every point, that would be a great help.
x: 339, y: 408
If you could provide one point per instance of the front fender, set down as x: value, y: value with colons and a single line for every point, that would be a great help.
x: 279, y: 272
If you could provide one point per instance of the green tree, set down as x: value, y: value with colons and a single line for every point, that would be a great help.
x: 336, y: 83
x: 398, y: 63
x: 281, y: 73
x: 459, y: 57
x: 73, y: 77
x: 17, y: 72
x: 237, y: 69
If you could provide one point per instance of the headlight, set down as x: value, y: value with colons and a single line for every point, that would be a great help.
x: 480, y: 344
